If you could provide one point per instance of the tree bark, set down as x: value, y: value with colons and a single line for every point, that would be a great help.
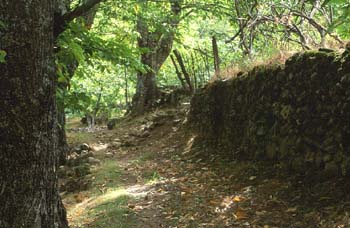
x: 178, y: 73
x: 216, y: 57
x: 126, y: 89
x: 184, y: 71
x: 94, y: 113
x: 195, y: 80
x: 146, y: 92
x: 89, y: 16
x: 28, y: 181
x: 158, y: 44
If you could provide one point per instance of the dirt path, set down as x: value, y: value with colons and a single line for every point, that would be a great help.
x: 149, y: 177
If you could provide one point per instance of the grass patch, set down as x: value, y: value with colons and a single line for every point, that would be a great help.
x: 151, y: 177
x: 106, y: 203
x: 107, y: 175
x: 73, y: 122
x: 113, y: 212
x: 80, y: 137
x: 144, y: 157
x: 108, y: 210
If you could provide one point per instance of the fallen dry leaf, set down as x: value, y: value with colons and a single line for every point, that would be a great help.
x: 291, y: 210
x: 240, y: 214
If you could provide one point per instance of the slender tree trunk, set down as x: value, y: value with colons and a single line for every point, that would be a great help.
x: 178, y: 73
x: 195, y: 81
x: 96, y: 109
x: 207, y: 66
x: 216, y: 57
x: 183, y: 69
x: 28, y: 181
x: 201, y: 69
x: 126, y: 88
x: 90, y: 121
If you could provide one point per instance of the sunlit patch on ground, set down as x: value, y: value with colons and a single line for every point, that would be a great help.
x: 99, y: 147
x: 107, y: 210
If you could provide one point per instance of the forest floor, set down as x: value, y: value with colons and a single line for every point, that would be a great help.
x: 145, y: 175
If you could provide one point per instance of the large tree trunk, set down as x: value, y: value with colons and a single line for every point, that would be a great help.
x: 158, y: 50
x: 146, y: 92
x: 28, y: 181
x: 158, y: 44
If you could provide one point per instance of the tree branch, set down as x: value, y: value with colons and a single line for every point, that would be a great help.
x: 80, y: 10
x: 318, y: 26
x: 61, y: 21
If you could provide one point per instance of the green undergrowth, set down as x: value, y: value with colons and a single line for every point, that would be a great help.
x: 113, y: 213
x: 107, y: 175
x: 77, y: 137
x: 105, y: 204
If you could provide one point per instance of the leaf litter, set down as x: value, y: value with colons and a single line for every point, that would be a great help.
x: 192, y: 191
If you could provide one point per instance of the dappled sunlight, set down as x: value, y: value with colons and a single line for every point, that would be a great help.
x: 138, y: 190
x: 91, y: 208
x: 114, y: 202
x: 173, y: 113
x: 100, y: 147
x: 189, y: 144
x: 163, y: 180
x: 111, y: 195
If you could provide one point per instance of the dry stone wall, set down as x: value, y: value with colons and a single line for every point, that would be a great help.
x: 297, y: 114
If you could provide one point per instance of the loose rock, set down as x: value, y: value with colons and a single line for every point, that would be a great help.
x: 93, y: 161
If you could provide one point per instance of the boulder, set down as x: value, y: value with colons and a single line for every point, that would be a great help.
x: 93, y: 161
x: 84, y: 146
x: 109, y: 155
